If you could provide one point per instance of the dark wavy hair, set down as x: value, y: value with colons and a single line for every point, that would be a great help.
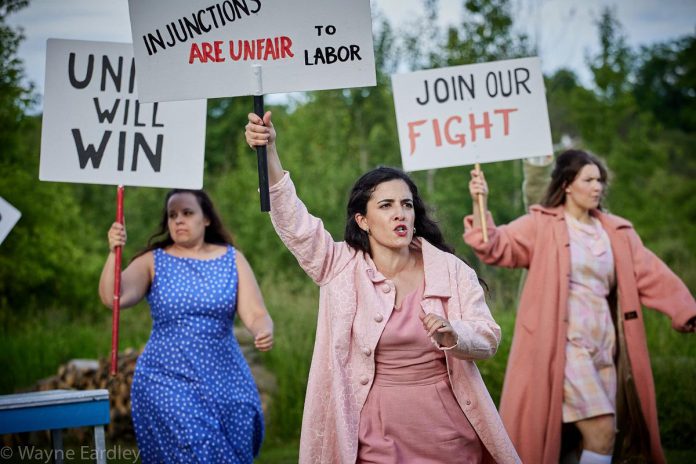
x: 362, y: 192
x: 215, y: 232
x: 568, y: 165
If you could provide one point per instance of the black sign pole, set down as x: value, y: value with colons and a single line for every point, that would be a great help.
x: 261, y: 154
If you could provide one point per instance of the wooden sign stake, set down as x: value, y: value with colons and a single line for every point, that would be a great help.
x: 482, y: 211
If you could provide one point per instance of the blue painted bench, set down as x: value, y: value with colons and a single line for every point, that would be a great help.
x: 56, y: 410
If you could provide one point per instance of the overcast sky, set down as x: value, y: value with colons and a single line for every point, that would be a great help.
x: 563, y: 30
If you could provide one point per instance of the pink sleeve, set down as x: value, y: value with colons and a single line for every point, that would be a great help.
x: 304, y: 235
x: 510, y: 245
x: 478, y: 335
x: 659, y: 287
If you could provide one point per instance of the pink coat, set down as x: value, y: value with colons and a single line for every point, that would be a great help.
x: 531, y: 402
x: 355, y: 302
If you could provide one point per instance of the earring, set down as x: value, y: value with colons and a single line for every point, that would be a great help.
x: 414, y: 231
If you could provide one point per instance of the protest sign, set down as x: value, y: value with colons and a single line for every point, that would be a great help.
x: 188, y: 49
x: 9, y: 215
x: 470, y: 114
x: 95, y: 129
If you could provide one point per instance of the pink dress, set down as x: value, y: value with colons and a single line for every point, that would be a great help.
x: 590, y: 376
x: 411, y: 414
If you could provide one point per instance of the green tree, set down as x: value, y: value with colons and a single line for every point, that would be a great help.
x: 665, y: 83
x: 611, y: 68
x: 486, y: 34
x: 14, y: 98
x: 43, y: 262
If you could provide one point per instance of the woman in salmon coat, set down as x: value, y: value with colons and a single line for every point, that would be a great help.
x: 579, y: 359
x: 401, y: 321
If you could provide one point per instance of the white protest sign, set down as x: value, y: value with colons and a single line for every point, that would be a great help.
x: 470, y: 114
x: 96, y: 131
x: 188, y: 49
x: 9, y: 215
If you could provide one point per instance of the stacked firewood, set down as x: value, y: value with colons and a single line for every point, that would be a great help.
x: 88, y: 374
x: 85, y: 374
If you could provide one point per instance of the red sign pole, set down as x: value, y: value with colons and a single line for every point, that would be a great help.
x: 117, y: 288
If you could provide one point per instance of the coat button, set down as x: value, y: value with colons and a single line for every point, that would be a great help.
x: 468, y: 402
x: 386, y: 288
x: 364, y: 379
x: 379, y: 318
x: 366, y: 351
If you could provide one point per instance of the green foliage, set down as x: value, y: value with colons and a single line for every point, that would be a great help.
x: 673, y: 359
x: 639, y: 116
x: 665, y: 83
x: 43, y: 262
x: 14, y: 99
x: 612, y: 66
x: 35, y: 343
x: 486, y: 34
x: 294, y: 310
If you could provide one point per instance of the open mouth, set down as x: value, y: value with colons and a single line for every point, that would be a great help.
x: 401, y: 230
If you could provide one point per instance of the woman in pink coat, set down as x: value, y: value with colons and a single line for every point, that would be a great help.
x: 401, y: 321
x: 579, y: 362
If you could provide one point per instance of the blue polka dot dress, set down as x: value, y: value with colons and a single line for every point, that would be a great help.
x: 194, y: 399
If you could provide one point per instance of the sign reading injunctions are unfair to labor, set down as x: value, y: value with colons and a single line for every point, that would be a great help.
x: 9, y: 215
x: 96, y: 131
x: 472, y: 114
x: 188, y: 49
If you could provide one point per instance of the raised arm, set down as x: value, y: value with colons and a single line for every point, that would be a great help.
x: 508, y: 246
x: 135, y: 279
x: 250, y: 306
x: 303, y: 234
x: 261, y: 132
x: 478, y: 186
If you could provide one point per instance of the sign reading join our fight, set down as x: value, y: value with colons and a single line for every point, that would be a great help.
x: 96, y: 131
x: 9, y: 215
x: 188, y: 49
x: 471, y: 114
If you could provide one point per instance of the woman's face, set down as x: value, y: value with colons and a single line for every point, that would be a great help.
x: 585, y: 191
x: 390, y: 215
x: 186, y: 220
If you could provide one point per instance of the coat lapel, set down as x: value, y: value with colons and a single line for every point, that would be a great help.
x: 437, y: 279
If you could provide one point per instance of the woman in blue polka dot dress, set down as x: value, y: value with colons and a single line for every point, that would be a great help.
x: 194, y: 398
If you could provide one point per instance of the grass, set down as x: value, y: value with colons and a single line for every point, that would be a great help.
x: 294, y: 310
x: 279, y: 453
x: 34, y: 346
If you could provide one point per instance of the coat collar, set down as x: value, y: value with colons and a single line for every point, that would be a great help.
x: 609, y: 221
x: 435, y: 269
x: 556, y: 211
